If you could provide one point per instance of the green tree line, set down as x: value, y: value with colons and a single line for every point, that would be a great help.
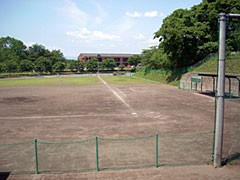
x: 16, y: 57
x: 187, y: 36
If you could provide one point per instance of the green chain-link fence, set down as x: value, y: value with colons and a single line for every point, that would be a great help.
x: 98, y: 154
x: 17, y: 157
x: 231, y: 136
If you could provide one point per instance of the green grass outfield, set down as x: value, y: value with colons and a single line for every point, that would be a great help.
x: 69, y: 81
x: 124, y: 80
x: 50, y: 81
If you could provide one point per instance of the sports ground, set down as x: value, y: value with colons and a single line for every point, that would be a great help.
x: 74, y: 109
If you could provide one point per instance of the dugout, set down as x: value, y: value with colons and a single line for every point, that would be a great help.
x: 232, y: 85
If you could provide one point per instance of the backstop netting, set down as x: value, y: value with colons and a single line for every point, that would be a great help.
x: 231, y: 138
x: 17, y: 157
x: 127, y: 153
x: 99, y: 154
x: 74, y: 156
x: 185, y: 149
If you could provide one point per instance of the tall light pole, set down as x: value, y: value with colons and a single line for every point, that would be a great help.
x: 221, y: 89
x: 220, y: 93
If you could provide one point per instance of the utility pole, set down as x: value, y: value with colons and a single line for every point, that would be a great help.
x: 220, y: 93
x: 221, y: 89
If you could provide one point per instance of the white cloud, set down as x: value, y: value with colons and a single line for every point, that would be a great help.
x: 29, y: 43
x: 153, y: 42
x: 145, y: 14
x: 74, y: 13
x: 84, y: 33
x: 139, y: 36
x: 150, y: 14
x: 100, y: 11
x: 81, y: 34
x: 49, y: 47
x: 124, y: 26
x: 146, y: 40
x: 98, y: 35
x: 76, y: 34
x: 134, y: 14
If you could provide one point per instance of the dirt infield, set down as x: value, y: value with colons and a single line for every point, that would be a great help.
x: 63, y: 114
x: 75, y: 113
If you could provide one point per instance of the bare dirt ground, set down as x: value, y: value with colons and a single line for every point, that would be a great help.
x: 62, y: 114
x: 180, y: 173
x: 75, y: 113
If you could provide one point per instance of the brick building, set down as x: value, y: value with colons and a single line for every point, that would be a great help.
x: 118, y: 58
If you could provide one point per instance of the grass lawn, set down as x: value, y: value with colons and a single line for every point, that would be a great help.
x: 232, y: 64
x: 123, y: 80
x: 50, y: 81
x: 70, y: 81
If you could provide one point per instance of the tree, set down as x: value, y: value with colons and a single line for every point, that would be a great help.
x: 35, y: 51
x: 11, y: 48
x: 26, y: 66
x: 59, y: 66
x: 108, y: 64
x: 13, y: 53
x: 3, y: 67
x: 187, y: 36
x: 43, y: 65
x: 134, y: 60
x: 76, y: 66
x: 11, y: 66
x: 155, y: 58
x: 92, y: 64
x: 56, y: 56
x: 122, y: 66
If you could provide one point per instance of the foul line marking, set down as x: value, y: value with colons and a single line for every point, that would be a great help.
x: 146, y: 79
x: 132, y: 89
x: 121, y: 92
x: 114, y: 92
x: 70, y: 116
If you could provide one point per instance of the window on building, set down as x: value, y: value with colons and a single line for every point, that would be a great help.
x: 125, y: 59
x: 116, y: 59
x: 99, y: 59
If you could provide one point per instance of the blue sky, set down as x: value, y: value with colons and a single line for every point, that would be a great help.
x: 84, y: 26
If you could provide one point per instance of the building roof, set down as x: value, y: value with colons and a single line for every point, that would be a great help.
x: 215, y: 75
x: 106, y: 55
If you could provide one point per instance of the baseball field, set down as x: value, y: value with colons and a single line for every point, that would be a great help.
x: 135, y: 123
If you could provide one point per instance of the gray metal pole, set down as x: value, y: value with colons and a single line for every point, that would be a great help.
x: 220, y: 93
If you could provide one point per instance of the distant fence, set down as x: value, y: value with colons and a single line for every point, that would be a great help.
x: 65, y: 74
x: 98, y: 154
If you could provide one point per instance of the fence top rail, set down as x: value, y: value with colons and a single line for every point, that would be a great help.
x: 215, y: 75
x: 25, y: 142
x: 113, y: 139
x: 72, y: 142
x: 194, y: 134
x: 122, y: 139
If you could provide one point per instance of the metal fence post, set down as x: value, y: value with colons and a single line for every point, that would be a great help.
x: 36, y: 155
x: 156, y: 150
x: 97, y: 163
